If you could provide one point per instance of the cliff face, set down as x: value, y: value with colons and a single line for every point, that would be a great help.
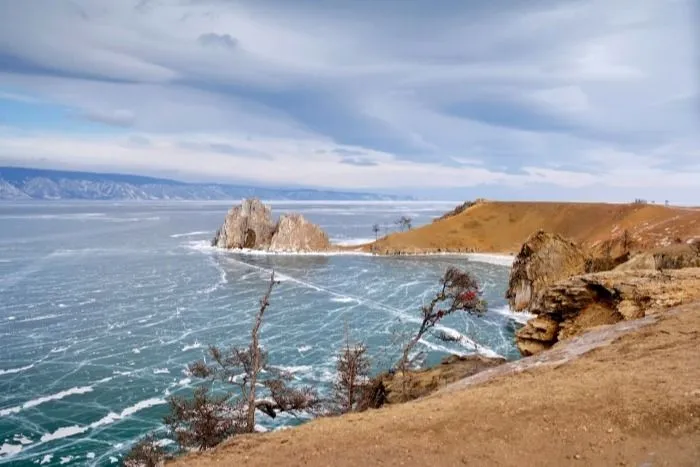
x: 543, y: 259
x: 295, y: 233
x: 569, y: 307
x: 250, y: 225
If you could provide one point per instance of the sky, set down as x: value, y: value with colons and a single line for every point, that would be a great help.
x: 515, y: 99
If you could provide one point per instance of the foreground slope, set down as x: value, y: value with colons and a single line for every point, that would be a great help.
x: 635, y: 401
x: 493, y: 226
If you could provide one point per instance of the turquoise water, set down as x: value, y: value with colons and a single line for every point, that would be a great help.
x: 102, y: 305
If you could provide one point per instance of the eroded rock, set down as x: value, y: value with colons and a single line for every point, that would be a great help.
x: 571, y: 306
x: 295, y: 233
x: 250, y: 226
x: 543, y: 259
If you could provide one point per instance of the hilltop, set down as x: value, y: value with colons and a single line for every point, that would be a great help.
x: 502, y: 227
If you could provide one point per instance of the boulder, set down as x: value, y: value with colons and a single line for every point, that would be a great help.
x: 571, y: 306
x: 295, y: 233
x: 543, y: 259
x: 249, y: 225
x: 537, y: 335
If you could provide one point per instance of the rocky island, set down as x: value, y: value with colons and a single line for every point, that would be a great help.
x: 250, y: 226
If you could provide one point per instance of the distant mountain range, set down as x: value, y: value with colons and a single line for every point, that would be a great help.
x: 24, y: 183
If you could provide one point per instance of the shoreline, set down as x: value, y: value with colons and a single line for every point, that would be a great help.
x: 498, y: 259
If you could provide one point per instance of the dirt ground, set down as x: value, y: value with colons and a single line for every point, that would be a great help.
x: 502, y: 227
x: 634, y: 402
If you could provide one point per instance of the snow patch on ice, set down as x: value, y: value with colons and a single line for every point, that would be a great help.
x: 190, y: 234
x: 41, y: 400
x: 195, y: 345
x: 517, y: 316
x: 63, y: 432
x: 16, y: 370
x: 8, y: 450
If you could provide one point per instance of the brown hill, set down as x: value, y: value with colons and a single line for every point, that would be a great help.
x: 635, y: 401
x: 502, y: 227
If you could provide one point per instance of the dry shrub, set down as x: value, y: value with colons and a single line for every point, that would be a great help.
x: 458, y: 210
x: 145, y: 453
x: 352, y: 384
x: 605, y: 263
x: 203, y: 421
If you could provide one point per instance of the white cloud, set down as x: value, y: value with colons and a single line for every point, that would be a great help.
x: 556, y: 92
x: 314, y: 163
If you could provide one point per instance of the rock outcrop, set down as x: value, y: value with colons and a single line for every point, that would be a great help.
x: 543, y: 259
x: 250, y: 226
x: 571, y: 306
x: 295, y: 233
x: 394, y: 388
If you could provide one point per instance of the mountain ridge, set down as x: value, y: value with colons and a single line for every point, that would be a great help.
x: 23, y: 183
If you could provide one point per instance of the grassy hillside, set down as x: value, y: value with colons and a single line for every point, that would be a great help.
x: 633, y: 402
x: 492, y: 226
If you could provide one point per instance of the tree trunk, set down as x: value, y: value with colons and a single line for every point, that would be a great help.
x: 255, y: 357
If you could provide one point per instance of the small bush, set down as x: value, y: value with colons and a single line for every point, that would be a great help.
x: 203, y: 421
x: 145, y: 453
x: 458, y: 210
x: 605, y: 263
x: 352, y: 381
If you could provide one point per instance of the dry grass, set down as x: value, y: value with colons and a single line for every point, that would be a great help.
x: 504, y: 226
x: 634, y: 402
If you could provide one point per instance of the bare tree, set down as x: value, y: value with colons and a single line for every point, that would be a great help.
x: 375, y: 231
x: 404, y: 223
x: 257, y: 359
x: 206, y: 420
x: 459, y: 291
x: 350, y: 386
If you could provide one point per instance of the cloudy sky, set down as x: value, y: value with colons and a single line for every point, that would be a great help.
x: 521, y: 99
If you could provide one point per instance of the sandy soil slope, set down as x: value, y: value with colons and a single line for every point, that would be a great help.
x: 493, y: 226
x: 635, y: 401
